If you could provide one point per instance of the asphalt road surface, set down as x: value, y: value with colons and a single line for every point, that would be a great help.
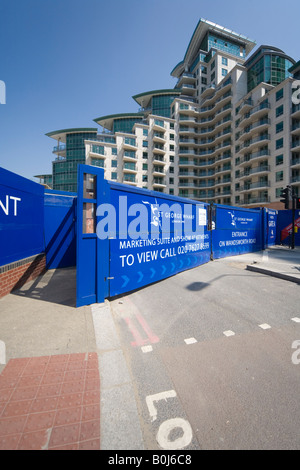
x: 214, y: 359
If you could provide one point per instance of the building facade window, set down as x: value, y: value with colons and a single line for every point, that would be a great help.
x: 279, y: 94
x: 279, y: 127
x: 279, y: 111
x: 279, y: 160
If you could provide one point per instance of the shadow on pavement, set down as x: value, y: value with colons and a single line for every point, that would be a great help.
x: 56, y: 286
x: 197, y: 286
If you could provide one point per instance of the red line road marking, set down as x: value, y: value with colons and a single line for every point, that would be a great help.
x: 139, y: 341
x: 152, y: 337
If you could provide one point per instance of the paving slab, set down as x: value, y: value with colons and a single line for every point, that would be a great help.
x: 50, y: 402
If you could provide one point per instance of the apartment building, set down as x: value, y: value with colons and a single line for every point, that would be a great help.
x: 228, y: 132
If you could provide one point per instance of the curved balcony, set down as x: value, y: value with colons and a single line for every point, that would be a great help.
x: 186, y: 141
x: 158, y: 171
x: 129, y: 168
x: 158, y: 182
x: 158, y: 149
x: 128, y: 179
x: 59, y: 149
x: 255, y: 171
x: 187, y: 174
x: 260, y: 125
x: 212, y: 92
x: 129, y: 156
x: 253, y: 143
x: 188, y: 109
x: 225, y: 169
x: 255, y: 200
x: 185, y: 130
x: 296, y: 111
x: 188, y: 89
x: 158, y: 137
x: 296, y: 129
x: 184, y: 118
x: 295, y: 163
x: 129, y: 144
x: 224, y: 181
x: 158, y: 160
x: 225, y: 193
x: 259, y: 110
x: 296, y: 180
x: 255, y: 156
x: 217, y: 115
x: 186, y: 77
x: 295, y: 147
x: 158, y: 125
x: 245, y: 106
x: 254, y: 186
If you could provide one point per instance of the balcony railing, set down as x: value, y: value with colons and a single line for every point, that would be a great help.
x: 59, y: 148
x: 253, y: 171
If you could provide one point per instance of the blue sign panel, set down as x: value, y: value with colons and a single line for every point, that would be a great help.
x: 237, y: 231
x: 157, y: 237
x: 21, y: 218
x: 271, y: 226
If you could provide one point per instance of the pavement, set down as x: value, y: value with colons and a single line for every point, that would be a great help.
x: 62, y: 368
x: 277, y: 261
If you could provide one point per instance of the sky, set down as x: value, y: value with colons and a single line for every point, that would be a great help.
x: 68, y: 62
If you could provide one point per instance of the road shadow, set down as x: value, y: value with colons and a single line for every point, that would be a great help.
x: 56, y: 286
x: 197, y: 286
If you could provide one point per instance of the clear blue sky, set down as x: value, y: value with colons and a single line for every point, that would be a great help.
x: 67, y: 62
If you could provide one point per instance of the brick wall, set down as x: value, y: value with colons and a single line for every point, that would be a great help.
x: 15, y: 275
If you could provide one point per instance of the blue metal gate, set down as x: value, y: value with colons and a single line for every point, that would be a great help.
x: 92, y: 253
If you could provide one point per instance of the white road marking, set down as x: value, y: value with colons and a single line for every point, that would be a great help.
x: 265, y: 326
x: 150, y: 399
x: 229, y: 333
x: 165, y: 430
x: 296, y: 320
x: 190, y: 341
x: 147, y: 349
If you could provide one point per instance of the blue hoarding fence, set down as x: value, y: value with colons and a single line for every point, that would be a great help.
x: 60, y: 229
x: 237, y: 231
x: 129, y: 237
x: 284, y: 228
x: 21, y: 218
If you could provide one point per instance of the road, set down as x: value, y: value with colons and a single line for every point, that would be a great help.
x: 211, y: 362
